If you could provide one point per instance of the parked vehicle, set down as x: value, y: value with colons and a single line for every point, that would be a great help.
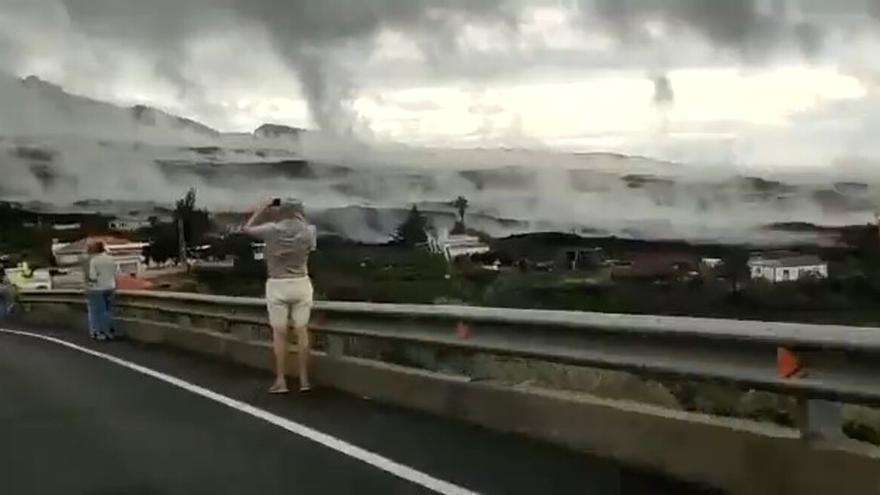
x: 24, y: 279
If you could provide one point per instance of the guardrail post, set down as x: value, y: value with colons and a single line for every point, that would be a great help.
x: 335, y: 345
x: 820, y: 419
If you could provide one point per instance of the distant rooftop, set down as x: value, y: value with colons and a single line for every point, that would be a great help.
x: 787, y: 261
x: 80, y: 245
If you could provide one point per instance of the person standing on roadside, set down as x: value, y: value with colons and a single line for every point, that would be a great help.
x: 289, y: 240
x: 101, y: 290
x: 85, y: 261
x: 5, y: 294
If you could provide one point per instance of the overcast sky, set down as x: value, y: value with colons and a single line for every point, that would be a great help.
x: 771, y: 82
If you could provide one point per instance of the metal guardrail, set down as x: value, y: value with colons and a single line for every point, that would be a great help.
x: 842, y: 363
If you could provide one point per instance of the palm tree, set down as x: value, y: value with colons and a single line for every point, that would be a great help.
x: 461, y: 204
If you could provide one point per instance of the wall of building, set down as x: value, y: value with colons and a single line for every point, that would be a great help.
x: 67, y: 259
x: 790, y: 273
x: 129, y: 264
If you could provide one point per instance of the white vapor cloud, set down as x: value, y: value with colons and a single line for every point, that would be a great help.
x: 406, y: 92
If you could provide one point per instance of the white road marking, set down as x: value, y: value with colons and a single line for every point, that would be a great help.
x: 334, y: 443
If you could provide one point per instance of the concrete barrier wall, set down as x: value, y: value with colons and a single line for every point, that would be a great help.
x: 737, y: 456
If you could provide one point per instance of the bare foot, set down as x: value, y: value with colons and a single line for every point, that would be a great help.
x: 279, y: 387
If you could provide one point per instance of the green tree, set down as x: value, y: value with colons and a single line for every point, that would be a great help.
x: 163, y: 242
x: 736, y: 269
x: 239, y: 246
x: 461, y: 205
x: 413, y: 229
x: 196, y: 222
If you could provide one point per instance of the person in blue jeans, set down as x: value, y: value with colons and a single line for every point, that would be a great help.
x: 5, y: 295
x: 100, y: 293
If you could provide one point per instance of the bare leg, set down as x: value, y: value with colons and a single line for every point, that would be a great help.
x: 304, y: 347
x: 279, y: 349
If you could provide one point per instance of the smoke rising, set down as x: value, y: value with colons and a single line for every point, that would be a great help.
x: 361, y: 191
x: 330, y: 94
x: 307, y: 31
x: 663, y: 93
x: 86, y: 148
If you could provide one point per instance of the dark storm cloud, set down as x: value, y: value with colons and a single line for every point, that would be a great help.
x: 302, y: 31
x: 157, y: 28
x: 318, y: 37
x: 810, y: 39
x: 293, y: 24
x: 749, y: 28
x: 730, y: 23
x: 321, y: 21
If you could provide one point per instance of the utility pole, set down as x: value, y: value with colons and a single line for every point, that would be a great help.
x: 181, y: 241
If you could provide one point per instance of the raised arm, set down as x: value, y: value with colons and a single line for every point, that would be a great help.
x: 256, y: 218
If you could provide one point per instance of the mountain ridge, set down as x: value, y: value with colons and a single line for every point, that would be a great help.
x: 71, y: 147
x: 141, y: 114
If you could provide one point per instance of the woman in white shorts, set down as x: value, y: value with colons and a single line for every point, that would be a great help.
x: 289, y: 240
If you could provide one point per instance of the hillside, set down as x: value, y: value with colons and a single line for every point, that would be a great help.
x: 67, y: 148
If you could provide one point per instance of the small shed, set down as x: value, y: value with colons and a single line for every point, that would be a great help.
x: 787, y: 268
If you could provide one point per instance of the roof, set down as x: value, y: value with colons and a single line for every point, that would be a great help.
x: 467, y: 244
x: 467, y: 247
x: 788, y: 261
x: 132, y: 283
x: 79, y: 246
x: 129, y: 220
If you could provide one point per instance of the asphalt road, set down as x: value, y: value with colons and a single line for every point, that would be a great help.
x: 73, y: 423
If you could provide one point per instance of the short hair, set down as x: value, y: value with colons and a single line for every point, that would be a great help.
x: 291, y: 207
x: 98, y: 247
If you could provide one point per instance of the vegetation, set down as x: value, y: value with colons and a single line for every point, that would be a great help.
x: 461, y: 206
x: 165, y: 237
x: 26, y: 235
x: 398, y: 273
x: 413, y: 229
x: 196, y: 222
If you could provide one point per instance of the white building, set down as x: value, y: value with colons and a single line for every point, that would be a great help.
x: 67, y: 226
x: 786, y: 269
x: 453, y: 246
x: 127, y: 254
x: 128, y: 224
x: 712, y: 263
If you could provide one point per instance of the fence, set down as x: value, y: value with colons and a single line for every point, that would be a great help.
x: 841, y: 363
